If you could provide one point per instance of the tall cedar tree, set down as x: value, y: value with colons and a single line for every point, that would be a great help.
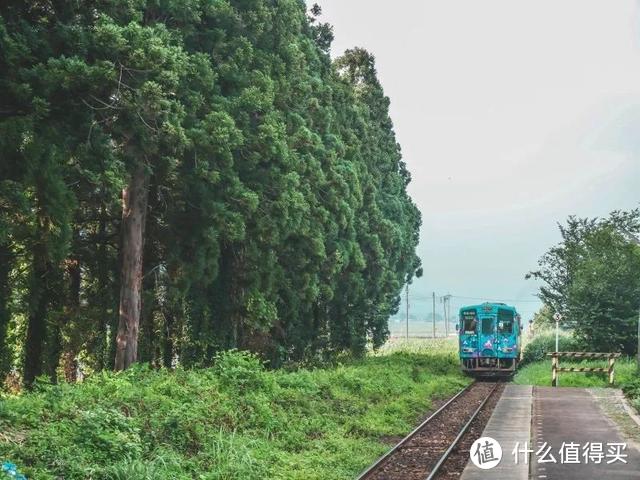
x: 193, y: 176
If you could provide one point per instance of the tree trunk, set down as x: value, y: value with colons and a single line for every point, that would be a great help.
x: 69, y: 360
x: 167, y: 347
x: 53, y: 346
x: 37, y: 321
x: 147, y: 341
x: 6, y: 260
x: 237, y: 294
x: 134, y: 207
x: 170, y: 315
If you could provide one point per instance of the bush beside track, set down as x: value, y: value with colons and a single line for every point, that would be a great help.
x: 537, y: 348
x: 536, y: 366
x: 236, y: 420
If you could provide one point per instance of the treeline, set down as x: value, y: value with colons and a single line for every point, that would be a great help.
x: 592, y: 277
x: 182, y: 177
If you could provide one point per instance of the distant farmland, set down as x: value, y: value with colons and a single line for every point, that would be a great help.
x: 419, y: 328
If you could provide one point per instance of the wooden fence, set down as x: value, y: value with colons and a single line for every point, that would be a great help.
x: 555, y: 368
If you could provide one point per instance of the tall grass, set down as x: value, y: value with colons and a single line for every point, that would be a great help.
x: 236, y: 420
x: 424, y: 346
x: 539, y: 373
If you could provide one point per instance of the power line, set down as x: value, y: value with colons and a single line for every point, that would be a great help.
x: 494, y: 300
x: 485, y: 299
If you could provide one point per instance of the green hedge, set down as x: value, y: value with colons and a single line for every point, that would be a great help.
x: 544, y: 343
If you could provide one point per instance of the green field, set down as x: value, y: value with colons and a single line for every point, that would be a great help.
x: 420, y: 329
x: 539, y: 373
x: 236, y: 420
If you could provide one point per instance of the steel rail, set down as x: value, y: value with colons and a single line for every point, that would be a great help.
x: 452, y: 445
x: 381, y: 460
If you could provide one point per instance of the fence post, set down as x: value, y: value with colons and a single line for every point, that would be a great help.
x: 612, y: 361
x: 556, y: 369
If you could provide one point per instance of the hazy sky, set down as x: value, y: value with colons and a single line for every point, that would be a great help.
x: 512, y: 115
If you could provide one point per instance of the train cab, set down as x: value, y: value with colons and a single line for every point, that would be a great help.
x: 489, y: 338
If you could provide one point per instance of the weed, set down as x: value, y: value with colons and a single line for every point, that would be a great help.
x: 235, y: 420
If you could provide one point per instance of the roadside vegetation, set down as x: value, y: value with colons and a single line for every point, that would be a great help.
x: 631, y: 389
x: 539, y: 373
x: 536, y: 366
x: 536, y: 348
x: 235, y: 420
x: 592, y: 278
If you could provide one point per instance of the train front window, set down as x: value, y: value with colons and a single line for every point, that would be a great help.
x: 505, y: 321
x: 505, y: 327
x: 487, y: 326
x: 469, y: 326
x: 469, y: 322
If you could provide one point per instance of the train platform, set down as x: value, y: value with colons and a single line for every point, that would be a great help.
x: 560, y: 434
x: 510, y: 425
x: 583, y: 442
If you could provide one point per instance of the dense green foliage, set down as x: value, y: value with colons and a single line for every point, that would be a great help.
x: 233, y: 421
x: 275, y: 212
x: 593, y: 278
x: 543, y: 319
x: 631, y: 388
x: 537, y: 349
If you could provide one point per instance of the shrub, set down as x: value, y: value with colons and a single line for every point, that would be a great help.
x: 544, y: 343
x: 241, y: 370
x: 234, y: 421
x: 631, y: 388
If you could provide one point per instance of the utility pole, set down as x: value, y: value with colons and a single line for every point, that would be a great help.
x: 407, y: 295
x: 636, y: 240
x: 434, y: 314
x: 444, y: 313
x: 446, y: 300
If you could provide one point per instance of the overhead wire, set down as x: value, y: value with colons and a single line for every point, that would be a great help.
x: 484, y: 299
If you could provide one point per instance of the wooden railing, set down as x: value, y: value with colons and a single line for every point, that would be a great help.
x: 555, y: 368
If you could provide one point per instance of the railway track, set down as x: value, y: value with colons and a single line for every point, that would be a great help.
x: 434, y: 449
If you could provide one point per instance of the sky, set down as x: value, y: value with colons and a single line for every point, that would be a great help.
x: 512, y: 115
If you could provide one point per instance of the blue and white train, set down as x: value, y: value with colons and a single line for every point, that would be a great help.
x: 489, y: 339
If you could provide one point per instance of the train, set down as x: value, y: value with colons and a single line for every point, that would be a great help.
x: 489, y: 337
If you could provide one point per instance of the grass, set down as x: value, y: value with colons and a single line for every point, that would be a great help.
x: 236, y: 420
x: 539, y: 373
x: 626, y: 377
x: 421, y: 346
